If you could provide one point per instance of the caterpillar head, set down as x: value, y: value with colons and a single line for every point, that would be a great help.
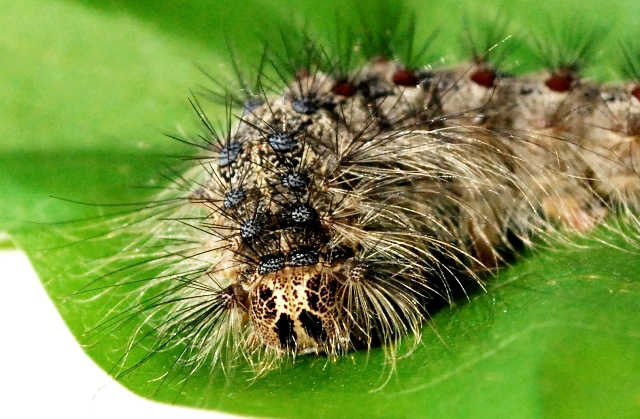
x: 312, y: 216
x: 297, y: 308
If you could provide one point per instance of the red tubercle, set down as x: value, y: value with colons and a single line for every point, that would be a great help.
x: 344, y: 88
x: 633, y: 125
x: 559, y: 84
x: 405, y: 77
x: 562, y: 79
x: 302, y: 73
x: 380, y: 59
x: 484, y: 76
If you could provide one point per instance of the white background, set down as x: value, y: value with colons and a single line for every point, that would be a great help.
x: 44, y: 372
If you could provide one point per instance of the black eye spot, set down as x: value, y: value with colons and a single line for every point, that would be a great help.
x: 233, y: 198
x: 303, y: 257
x: 304, y: 106
x: 229, y: 153
x: 271, y: 263
x: 282, y: 142
x: 250, y: 228
x: 286, y: 334
x: 426, y: 78
x: 303, y: 214
x: 312, y: 324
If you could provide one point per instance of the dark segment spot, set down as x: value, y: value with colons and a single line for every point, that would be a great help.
x: 485, y: 77
x: 250, y: 228
x: 304, y: 106
x: 295, y: 181
x: 344, y: 88
x: 265, y: 296
x: 525, y: 91
x: 314, y: 283
x: 406, y: 78
x: 282, y: 142
x: 271, y: 263
x: 265, y: 293
x: 312, y: 325
x: 426, y: 78
x: 229, y: 153
x: 312, y: 293
x: 373, y: 89
x: 252, y: 104
x: 233, y: 198
x: 286, y: 334
x: 333, y: 289
x: 636, y: 92
x: 303, y: 214
x: 444, y: 85
x: 303, y: 257
x: 313, y: 300
x: 340, y: 253
x: 199, y: 194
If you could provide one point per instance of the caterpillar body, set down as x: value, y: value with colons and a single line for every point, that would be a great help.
x: 327, y: 218
x: 337, y: 212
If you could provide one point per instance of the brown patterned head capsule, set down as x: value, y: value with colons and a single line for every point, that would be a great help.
x: 295, y: 308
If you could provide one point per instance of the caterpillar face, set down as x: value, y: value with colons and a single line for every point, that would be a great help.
x: 297, y: 308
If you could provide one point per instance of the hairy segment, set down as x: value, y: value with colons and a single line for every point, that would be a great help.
x: 342, y: 213
x: 342, y: 206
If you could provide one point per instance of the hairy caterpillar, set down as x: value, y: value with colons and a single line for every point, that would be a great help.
x: 466, y: 121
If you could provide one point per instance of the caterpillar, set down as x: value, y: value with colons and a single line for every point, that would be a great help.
x: 332, y: 214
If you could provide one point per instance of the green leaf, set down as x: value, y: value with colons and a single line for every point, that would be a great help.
x: 90, y: 87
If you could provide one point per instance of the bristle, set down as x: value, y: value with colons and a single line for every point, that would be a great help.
x: 350, y: 194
